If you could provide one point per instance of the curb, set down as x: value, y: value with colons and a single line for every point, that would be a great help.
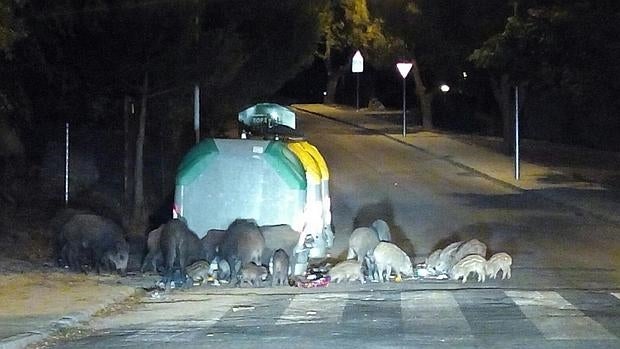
x: 25, y: 339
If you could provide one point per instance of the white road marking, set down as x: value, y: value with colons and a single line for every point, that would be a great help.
x: 191, y: 311
x: 617, y: 295
x: 424, y: 312
x: 314, y: 308
x: 556, y: 318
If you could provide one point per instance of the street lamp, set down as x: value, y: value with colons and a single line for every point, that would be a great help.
x: 444, y: 88
x: 404, y: 69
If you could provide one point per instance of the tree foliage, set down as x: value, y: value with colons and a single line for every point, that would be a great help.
x: 564, y: 49
x: 347, y: 26
x: 570, y: 45
x: 10, y: 28
x: 82, y: 60
x: 80, y: 51
x: 251, y: 48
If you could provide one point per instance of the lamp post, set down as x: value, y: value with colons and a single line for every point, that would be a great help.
x: 517, y: 169
x: 404, y: 69
x: 357, y: 67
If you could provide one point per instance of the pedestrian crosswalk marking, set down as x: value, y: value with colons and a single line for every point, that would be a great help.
x: 172, y: 313
x: 556, y: 318
x: 314, y: 308
x: 462, y: 318
x: 423, y: 311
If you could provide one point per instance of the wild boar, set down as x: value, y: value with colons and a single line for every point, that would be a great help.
x: 153, y: 258
x: 499, y: 261
x: 97, y: 240
x: 470, y: 264
x: 473, y: 246
x: 447, y: 258
x: 432, y: 261
x: 179, y: 246
x: 390, y: 257
x: 349, y: 270
x: 279, y: 268
x: 362, y: 240
x: 382, y: 229
x: 244, y: 240
x: 252, y: 274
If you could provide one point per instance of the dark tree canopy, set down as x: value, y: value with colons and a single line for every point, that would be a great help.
x: 81, y: 55
x: 348, y: 26
x: 565, y: 52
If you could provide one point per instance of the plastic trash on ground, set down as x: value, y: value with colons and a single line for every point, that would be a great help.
x: 420, y: 272
x: 319, y: 282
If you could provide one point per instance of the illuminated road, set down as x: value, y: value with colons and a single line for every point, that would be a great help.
x: 468, y: 318
x: 428, y: 201
x: 564, y: 292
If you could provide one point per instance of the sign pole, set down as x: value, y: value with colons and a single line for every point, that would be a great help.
x: 404, y: 108
x: 197, y: 112
x: 517, y: 170
x: 66, y: 164
x: 357, y: 94
x: 404, y: 69
x: 357, y: 67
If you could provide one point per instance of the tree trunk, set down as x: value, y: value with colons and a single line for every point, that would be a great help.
x: 128, y: 164
x: 334, y: 74
x: 502, y: 92
x: 332, y: 84
x: 139, y: 210
x: 425, y: 99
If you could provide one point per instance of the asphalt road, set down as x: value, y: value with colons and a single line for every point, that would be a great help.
x: 563, y: 294
x: 465, y: 318
x: 428, y: 202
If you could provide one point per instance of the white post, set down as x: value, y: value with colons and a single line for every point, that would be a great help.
x: 197, y: 112
x: 404, y: 108
x: 517, y: 170
x: 403, y: 69
x: 66, y: 164
x: 357, y: 93
x: 357, y: 67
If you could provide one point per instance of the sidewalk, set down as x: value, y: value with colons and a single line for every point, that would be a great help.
x: 36, y: 304
x: 583, y: 180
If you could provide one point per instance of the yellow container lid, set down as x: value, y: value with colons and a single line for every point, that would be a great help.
x: 313, y: 170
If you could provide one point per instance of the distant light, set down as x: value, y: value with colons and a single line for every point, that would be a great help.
x: 404, y: 68
x: 444, y: 88
x: 464, y: 75
x: 324, y: 93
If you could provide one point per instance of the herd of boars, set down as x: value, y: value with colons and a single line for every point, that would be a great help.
x: 462, y: 258
x: 87, y: 241
x: 373, y: 256
x: 235, y: 255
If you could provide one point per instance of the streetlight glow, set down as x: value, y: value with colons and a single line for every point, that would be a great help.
x: 444, y: 88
